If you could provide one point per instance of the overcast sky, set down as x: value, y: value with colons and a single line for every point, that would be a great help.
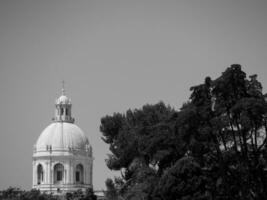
x: 113, y: 55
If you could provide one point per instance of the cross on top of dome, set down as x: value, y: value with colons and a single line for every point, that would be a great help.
x: 63, y: 99
x: 63, y: 88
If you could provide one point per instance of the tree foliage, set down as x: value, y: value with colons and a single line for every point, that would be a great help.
x: 80, y: 195
x: 214, y: 147
x: 13, y: 193
x: 111, y: 193
x: 17, y: 194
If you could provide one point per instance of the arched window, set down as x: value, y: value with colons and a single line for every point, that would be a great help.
x: 58, y: 173
x: 79, y: 173
x: 40, y: 174
x: 61, y: 111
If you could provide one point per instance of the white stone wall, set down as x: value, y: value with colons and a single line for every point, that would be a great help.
x: 69, y: 182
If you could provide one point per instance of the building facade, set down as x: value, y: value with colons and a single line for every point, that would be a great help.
x: 62, y: 155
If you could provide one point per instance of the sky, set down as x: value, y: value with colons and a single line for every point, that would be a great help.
x: 113, y: 55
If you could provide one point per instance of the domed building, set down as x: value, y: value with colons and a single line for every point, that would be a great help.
x: 62, y: 156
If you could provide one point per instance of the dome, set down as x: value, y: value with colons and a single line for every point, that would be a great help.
x: 63, y: 100
x: 62, y: 136
x: 62, y: 156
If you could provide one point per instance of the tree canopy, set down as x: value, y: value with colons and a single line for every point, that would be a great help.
x: 12, y: 193
x: 214, y: 147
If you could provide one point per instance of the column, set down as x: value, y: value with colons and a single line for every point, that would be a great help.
x: 68, y: 172
x: 46, y: 172
x: 71, y: 173
x: 65, y: 175
x: 88, y: 172
x: 85, y: 169
x: 91, y: 172
x: 49, y: 172
x: 33, y: 173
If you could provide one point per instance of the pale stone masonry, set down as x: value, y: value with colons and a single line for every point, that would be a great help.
x: 62, y: 155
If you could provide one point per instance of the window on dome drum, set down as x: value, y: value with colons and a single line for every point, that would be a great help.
x: 77, y: 176
x: 58, y: 172
x: 61, y: 111
x: 40, y: 174
x: 67, y: 112
x: 79, y: 173
x: 59, y: 175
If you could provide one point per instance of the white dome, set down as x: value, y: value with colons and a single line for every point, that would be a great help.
x: 63, y: 100
x: 62, y: 136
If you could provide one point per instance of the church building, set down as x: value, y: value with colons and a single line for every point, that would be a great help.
x: 62, y: 155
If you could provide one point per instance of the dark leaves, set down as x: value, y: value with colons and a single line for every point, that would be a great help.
x: 213, y: 148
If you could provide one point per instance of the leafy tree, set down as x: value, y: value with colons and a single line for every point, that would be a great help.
x: 69, y: 196
x: 184, y: 180
x: 17, y: 194
x: 80, y: 195
x: 214, y: 147
x: 141, y: 142
x: 89, y: 194
x: 111, y: 193
x: 11, y: 193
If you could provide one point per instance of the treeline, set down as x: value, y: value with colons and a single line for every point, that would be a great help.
x: 214, y: 147
x: 17, y: 194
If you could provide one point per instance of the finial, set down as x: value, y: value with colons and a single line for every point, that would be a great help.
x: 63, y: 88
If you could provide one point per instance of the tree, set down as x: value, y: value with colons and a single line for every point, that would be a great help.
x: 17, y: 194
x: 141, y: 142
x: 80, y: 195
x: 223, y: 128
x: 214, y: 147
x: 89, y: 194
x: 184, y: 180
x: 111, y: 193
x: 11, y: 193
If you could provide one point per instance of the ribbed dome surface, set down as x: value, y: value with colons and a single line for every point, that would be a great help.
x: 63, y: 100
x: 62, y: 135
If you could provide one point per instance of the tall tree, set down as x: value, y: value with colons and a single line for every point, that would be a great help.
x: 214, y: 147
x: 142, y: 143
x: 111, y: 193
